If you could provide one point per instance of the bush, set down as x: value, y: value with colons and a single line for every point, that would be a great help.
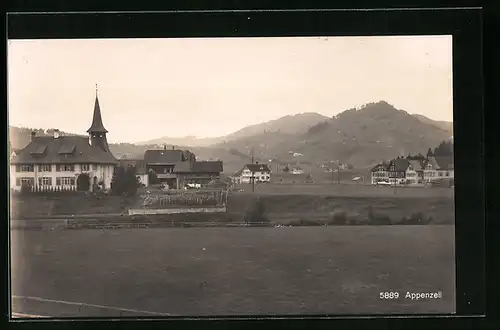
x: 338, y: 218
x: 417, y: 218
x: 257, y: 212
x: 377, y: 219
x: 304, y: 222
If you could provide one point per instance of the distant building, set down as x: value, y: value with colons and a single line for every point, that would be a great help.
x: 380, y: 173
x: 413, y: 171
x: 297, y: 170
x: 259, y: 172
x: 56, y: 161
x: 177, y: 168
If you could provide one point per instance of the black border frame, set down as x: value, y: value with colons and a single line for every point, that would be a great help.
x: 464, y: 24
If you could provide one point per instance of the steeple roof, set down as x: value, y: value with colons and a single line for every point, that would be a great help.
x: 97, y: 125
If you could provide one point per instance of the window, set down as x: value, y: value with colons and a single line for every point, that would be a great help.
x: 440, y: 173
x: 447, y: 173
x: 65, y: 168
x: 20, y: 181
x: 65, y: 181
x: 45, y: 168
x: 27, y: 168
x: 45, y: 181
x: 85, y: 167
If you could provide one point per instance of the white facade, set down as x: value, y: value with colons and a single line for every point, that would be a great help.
x: 380, y: 175
x: 46, y: 175
x: 246, y: 176
x: 297, y: 171
x: 143, y: 179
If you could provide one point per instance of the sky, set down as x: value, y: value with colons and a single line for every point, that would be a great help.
x: 208, y: 87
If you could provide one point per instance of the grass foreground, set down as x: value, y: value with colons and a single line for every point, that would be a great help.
x: 233, y: 271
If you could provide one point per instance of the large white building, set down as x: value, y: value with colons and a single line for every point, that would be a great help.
x: 57, y: 162
x: 259, y: 173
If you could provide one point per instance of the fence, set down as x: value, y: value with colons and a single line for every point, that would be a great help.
x: 199, y: 198
x: 47, y: 189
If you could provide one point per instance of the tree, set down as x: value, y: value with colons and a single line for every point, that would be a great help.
x: 430, y: 153
x: 118, y: 181
x: 124, y: 181
x: 153, y: 178
x: 445, y: 148
x: 286, y: 169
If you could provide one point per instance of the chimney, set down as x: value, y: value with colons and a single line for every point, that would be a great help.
x: 33, y: 135
x: 56, y: 134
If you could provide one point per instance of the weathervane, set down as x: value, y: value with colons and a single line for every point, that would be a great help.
x: 95, y: 89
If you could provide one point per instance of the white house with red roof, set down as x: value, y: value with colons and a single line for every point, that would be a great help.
x: 56, y: 162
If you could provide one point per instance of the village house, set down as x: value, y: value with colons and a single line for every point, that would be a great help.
x: 56, y: 161
x: 259, y: 173
x: 297, y: 170
x: 178, y: 168
x: 380, y: 173
x: 413, y: 171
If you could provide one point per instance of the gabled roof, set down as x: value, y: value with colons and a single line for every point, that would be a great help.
x: 83, y: 152
x: 416, y: 165
x: 258, y: 167
x: 163, y: 157
x: 431, y: 161
x: 400, y: 164
x: 97, y: 125
x: 384, y: 167
x: 208, y: 167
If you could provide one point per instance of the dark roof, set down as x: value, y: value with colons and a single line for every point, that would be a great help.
x: 97, y: 125
x: 68, y: 147
x: 139, y: 164
x: 444, y: 162
x: 258, y: 167
x: 163, y: 156
x: 383, y: 166
x: 416, y: 165
x: 401, y: 164
x: 83, y: 152
x: 208, y: 167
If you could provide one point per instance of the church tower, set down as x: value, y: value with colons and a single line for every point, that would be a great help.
x: 97, y: 132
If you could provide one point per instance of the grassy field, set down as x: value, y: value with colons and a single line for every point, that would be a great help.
x: 232, y: 271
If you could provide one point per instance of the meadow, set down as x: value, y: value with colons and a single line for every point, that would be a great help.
x: 232, y: 271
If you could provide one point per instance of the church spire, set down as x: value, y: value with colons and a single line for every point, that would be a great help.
x: 97, y: 126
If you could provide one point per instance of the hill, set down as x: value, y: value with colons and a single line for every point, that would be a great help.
x: 185, y: 141
x: 446, y: 125
x: 361, y: 137
x: 291, y: 124
x: 376, y: 132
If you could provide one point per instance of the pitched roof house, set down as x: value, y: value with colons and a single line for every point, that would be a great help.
x: 58, y: 160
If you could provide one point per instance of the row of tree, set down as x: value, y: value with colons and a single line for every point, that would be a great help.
x: 445, y: 148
